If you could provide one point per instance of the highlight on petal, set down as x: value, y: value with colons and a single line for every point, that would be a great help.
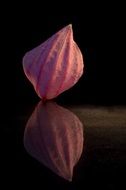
x: 55, y: 65
x: 54, y: 136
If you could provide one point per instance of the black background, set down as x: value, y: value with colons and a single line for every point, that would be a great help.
x: 100, y: 38
x: 103, y: 81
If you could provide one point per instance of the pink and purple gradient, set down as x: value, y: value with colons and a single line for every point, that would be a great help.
x: 54, y: 66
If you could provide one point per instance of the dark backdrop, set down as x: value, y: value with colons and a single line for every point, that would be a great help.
x: 101, y: 41
x: 103, y: 81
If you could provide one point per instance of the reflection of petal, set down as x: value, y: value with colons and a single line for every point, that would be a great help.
x: 54, y: 136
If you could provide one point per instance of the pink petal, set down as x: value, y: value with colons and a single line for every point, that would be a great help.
x: 55, y: 65
x: 54, y: 136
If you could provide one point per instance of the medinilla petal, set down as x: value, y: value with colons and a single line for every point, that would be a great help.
x: 55, y: 65
x: 54, y: 136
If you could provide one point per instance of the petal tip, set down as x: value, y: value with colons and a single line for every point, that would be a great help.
x: 70, y: 26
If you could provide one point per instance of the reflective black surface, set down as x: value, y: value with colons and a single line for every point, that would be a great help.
x: 54, y: 136
x: 103, y: 161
